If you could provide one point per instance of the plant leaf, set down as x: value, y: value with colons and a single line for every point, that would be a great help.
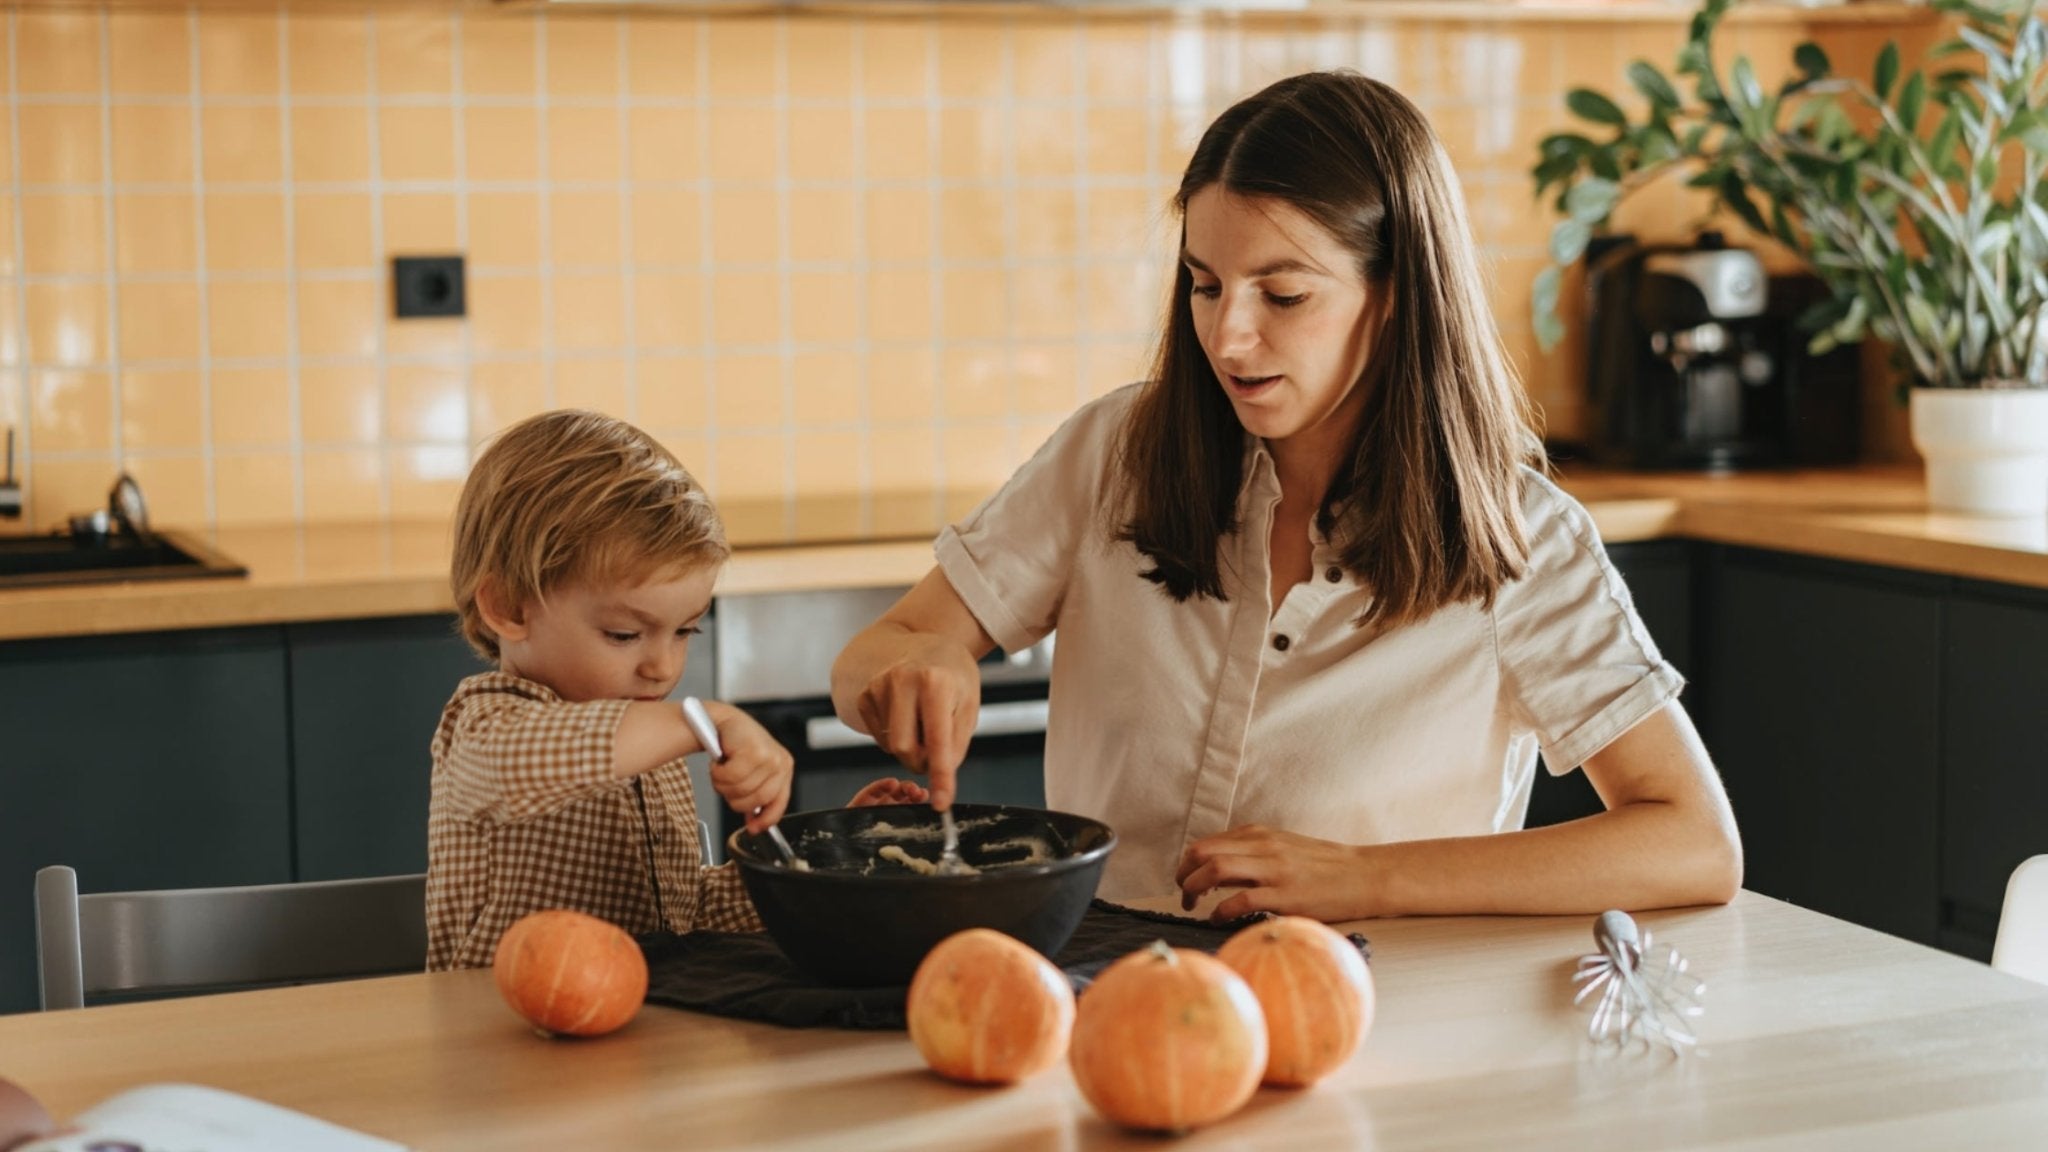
x: 1568, y: 240
x: 1912, y: 100
x: 1887, y: 70
x: 1652, y: 84
x: 1812, y: 59
x: 1590, y: 200
x: 1587, y: 104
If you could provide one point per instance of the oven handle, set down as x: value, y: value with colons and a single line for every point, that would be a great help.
x: 1015, y: 718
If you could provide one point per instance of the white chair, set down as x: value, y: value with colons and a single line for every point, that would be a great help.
x: 192, y: 939
x: 2022, y: 947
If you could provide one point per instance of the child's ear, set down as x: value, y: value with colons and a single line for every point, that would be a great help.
x: 506, y: 621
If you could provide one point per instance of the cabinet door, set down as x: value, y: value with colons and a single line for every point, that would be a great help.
x: 1822, y: 694
x: 1994, y: 726
x: 153, y: 761
x: 1659, y: 576
x: 366, y: 696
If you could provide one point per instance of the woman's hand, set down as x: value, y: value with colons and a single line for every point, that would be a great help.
x: 755, y: 775
x: 922, y: 709
x: 910, y: 681
x: 1281, y: 872
x: 889, y: 791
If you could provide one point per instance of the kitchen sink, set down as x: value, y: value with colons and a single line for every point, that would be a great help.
x: 39, y: 561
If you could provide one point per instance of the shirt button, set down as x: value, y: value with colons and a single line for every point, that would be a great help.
x: 1333, y: 574
x: 1281, y: 642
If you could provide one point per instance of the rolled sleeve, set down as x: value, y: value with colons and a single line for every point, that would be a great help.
x: 1011, y: 559
x: 1577, y: 665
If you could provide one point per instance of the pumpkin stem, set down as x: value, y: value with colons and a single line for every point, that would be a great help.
x: 1163, y: 951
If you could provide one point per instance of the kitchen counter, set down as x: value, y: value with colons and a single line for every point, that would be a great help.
x: 1818, y: 1034
x: 1873, y: 515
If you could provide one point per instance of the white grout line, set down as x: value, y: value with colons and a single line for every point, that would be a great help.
x: 629, y: 313
x: 295, y: 361
x: 863, y: 310
x: 543, y: 103
x: 22, y: 419
x: 458, y: 106
x: 706, y: 276
x: 109, y: 235
x: 381, y: 324
x: 784, y: 287
x: 209, y: 477
x: 935, y: 360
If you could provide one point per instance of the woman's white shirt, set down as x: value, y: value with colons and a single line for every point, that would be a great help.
x: 1174, y: 721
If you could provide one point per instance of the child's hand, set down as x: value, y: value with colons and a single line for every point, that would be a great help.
x: 888, y: 791
x: 756, y: 771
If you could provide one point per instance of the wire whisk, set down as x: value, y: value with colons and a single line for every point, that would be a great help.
x: 1643, y: 999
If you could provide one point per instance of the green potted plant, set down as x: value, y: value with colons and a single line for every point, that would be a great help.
x: 1916, y: 197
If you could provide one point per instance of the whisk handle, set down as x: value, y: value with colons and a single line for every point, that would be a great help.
x: 1618, y: 938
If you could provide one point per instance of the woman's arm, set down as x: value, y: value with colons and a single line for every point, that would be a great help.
x: 910, y: 681
x: 1667, y: 839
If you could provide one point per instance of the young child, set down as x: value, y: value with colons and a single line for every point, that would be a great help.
x: 583, y: 563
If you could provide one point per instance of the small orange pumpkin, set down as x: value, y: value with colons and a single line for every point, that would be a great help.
x: 1168, y: 1039
x: 986, y: 1008
x: 569, y: 973
x: 1316, y: 992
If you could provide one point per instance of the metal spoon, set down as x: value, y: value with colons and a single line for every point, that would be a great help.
x: 950, y: 863
x: 707, y: 734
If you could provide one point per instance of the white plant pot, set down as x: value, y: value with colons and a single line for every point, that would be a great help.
x: 1986, y: 449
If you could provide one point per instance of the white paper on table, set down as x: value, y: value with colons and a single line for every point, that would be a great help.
x: 192, y: 1118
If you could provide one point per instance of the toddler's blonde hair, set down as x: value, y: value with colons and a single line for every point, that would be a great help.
x: 574, y: 497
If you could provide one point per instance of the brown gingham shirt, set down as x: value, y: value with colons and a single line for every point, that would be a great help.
x: 526, y: 815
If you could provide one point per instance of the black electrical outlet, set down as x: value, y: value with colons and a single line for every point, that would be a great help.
x: 426, y: 286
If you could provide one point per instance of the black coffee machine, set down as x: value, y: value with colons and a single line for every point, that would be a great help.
x: 1694, y: 361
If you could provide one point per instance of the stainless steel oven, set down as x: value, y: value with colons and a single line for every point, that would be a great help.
x: 774, y: 656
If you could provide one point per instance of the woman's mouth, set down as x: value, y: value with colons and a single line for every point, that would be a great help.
x: 1251, y: 385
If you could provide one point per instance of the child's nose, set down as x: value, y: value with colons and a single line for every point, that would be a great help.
x: 663, y: 664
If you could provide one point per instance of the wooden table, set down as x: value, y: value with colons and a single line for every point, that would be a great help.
x: 1819, y: 1034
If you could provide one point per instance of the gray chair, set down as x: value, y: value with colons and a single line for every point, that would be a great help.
x: 193, y: 939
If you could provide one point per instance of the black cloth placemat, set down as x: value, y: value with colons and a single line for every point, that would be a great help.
x: 745, y: 975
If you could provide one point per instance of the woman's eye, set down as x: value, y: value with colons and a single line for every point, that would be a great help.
x: 1206, y: 291
x: 621, y: 637
x: 1286, y: 301
x: 690, y: 630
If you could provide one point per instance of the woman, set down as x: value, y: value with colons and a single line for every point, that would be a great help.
x: 1318, y: 611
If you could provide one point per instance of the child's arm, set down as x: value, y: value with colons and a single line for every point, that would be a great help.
x: 754, y: 777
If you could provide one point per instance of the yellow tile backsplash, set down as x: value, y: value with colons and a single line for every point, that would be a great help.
x: 844, y: 258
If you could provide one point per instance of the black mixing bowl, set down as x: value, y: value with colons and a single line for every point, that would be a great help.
x: 857, y: 919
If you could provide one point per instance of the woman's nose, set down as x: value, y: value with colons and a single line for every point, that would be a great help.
x: 1230, y: 329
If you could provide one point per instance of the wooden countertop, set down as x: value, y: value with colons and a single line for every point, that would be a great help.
x: 1874, y: 515
x: 1818, y: 1033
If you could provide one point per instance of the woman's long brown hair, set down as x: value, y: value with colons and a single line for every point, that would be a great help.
x: 1426, y: 510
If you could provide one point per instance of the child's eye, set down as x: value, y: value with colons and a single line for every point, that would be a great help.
x: 1286, y: 301
x: 621, y: 637
x: 689, y: 630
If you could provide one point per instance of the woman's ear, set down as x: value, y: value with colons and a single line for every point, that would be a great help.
x: 506, y: 621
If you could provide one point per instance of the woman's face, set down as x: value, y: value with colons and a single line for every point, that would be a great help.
x: 1283, y: 314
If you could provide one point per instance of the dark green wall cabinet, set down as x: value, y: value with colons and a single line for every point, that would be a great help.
x: 229, y: 756
x: 1822, y: 684
x: 365, y: 699
x: 151, y: 761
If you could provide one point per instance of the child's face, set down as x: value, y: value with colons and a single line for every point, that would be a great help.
x: 610, y: 642
x: 1282, y: 314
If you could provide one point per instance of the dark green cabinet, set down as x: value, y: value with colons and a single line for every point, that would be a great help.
x: 1994, y: 802
x: 366, y: 696
x: 151, y: 761
x: 1821, y: 684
